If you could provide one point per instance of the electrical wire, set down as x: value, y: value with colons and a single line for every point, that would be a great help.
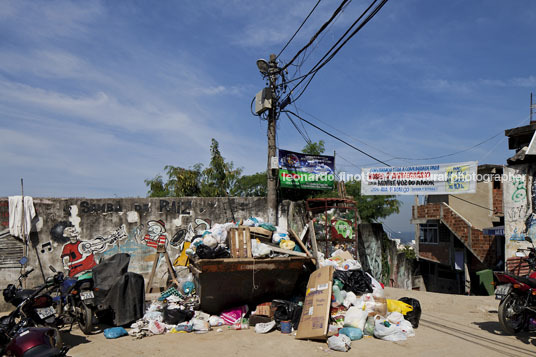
x: 347, y: 135
x: 337, y: 138
x: 322, y: 28
x: 330, y: 54
x: 251, y: 108
x: 299, y: 28
x: 451, y: 154
x: 305, y: 138
x: 474, y: 204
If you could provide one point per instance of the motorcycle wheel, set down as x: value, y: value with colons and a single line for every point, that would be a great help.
x: 510, y: 316
x: 85, y: 318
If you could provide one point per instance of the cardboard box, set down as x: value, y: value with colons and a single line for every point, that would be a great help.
x: 264, y: 309
x: 314, y: 322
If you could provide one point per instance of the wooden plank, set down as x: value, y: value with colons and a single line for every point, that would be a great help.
x: 314, y: 246
x: 286, y: 251
x: 240, y: 242
x: 299, y: 242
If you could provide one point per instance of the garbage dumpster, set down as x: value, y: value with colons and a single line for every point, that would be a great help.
x: 223, y: 283
x: 485, y: 282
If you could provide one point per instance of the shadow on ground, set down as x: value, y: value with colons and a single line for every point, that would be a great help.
x: 72, y: 340
x: 528, y: 338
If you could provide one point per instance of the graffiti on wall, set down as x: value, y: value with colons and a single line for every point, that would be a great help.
x: 156, y: 234
x: 79, y: 255
x: 519, y: 218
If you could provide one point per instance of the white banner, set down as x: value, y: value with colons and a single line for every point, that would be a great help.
x: 439, y: 179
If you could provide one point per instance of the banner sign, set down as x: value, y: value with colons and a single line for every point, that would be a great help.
x: 306, y: 171
x: 439, y: 179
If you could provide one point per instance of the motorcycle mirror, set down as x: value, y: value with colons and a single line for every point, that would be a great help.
x: 52, y: 268
x: 23, y: 261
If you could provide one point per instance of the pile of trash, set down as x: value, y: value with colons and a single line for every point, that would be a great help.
x: 215, y: 243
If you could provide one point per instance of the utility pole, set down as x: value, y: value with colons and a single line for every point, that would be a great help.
x: 272, y: 117
x: 268, y: 99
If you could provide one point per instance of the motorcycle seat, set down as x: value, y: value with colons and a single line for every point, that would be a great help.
x: 526, y: 280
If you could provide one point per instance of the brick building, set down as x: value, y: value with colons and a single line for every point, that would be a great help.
x: 458, y: 235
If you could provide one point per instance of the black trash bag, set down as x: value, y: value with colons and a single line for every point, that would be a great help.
x: 205, y: 252
x: 413, y: 316
x: 287, y: 311
x: 355, y: 281
x: 176, y: 316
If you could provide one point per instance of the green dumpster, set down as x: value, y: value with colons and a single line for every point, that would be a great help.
x: 485, y: 282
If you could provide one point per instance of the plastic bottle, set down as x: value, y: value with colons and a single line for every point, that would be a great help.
x: 337, y: 293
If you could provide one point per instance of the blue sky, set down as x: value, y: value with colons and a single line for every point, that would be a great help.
x: 96, y: 96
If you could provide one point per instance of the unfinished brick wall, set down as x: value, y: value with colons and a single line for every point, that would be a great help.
x: 483, y: 246
x: 429, y: 211
x: 498, y: 201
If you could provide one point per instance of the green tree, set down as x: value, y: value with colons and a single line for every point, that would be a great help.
x: 371, y: 208
x: 250, y: 185
x: 218, y: 178
x: 314, y: 148
x: 213, y: 181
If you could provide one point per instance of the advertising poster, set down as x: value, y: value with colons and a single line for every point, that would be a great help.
x: 313, y: 172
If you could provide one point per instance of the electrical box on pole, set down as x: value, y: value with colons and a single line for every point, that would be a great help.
x: 263, y: 101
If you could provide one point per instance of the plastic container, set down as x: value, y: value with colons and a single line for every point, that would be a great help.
x: 286, y: 326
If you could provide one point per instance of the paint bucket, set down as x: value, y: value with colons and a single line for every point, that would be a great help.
x: 286, y: 326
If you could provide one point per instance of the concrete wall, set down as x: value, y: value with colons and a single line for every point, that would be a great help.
x: 479, y: 217
x: 109, y: 226
x: 379, y: 255
x: 519, y: 195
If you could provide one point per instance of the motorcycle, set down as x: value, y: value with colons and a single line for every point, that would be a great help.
x: 19, y: 331
x: 75, y: 300
x: 517, y: 309
x: 36, y: 305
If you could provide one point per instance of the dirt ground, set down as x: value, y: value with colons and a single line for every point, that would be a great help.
x: 451, y: 325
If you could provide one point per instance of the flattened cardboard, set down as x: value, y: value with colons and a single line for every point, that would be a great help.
x: 314, y: 321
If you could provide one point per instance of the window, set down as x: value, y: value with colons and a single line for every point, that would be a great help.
x: 429, y: 233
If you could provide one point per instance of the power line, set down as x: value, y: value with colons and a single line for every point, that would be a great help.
x: 322, y: 28
x: 299, y: 28
x: 329, y: 54
x: 474, y: 204
x: 305, y: 138
x: 454, y: 153
x: 345, y: 134
x: 337, y: 138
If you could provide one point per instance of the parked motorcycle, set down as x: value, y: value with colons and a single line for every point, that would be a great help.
x: 517, y: 309
x: 19, y: 335
x: 75, y: 300
x: 36, y: 305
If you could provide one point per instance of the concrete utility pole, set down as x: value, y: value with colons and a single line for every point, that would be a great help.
x: 272, y: 117
x: 268, y: 99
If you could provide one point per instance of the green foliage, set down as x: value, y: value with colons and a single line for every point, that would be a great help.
x: 220, y: 176
x: 314, y: 148
x: 409, y: 253
x: 216, y: 180
x: 372, y: 208
x: 250, y: 186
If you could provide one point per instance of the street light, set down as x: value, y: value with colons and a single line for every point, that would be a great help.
x: 263, y: 66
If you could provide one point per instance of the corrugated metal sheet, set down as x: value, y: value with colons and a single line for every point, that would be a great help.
x: 11, y: 250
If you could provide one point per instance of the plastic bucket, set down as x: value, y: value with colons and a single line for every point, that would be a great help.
x: 286, y: 326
